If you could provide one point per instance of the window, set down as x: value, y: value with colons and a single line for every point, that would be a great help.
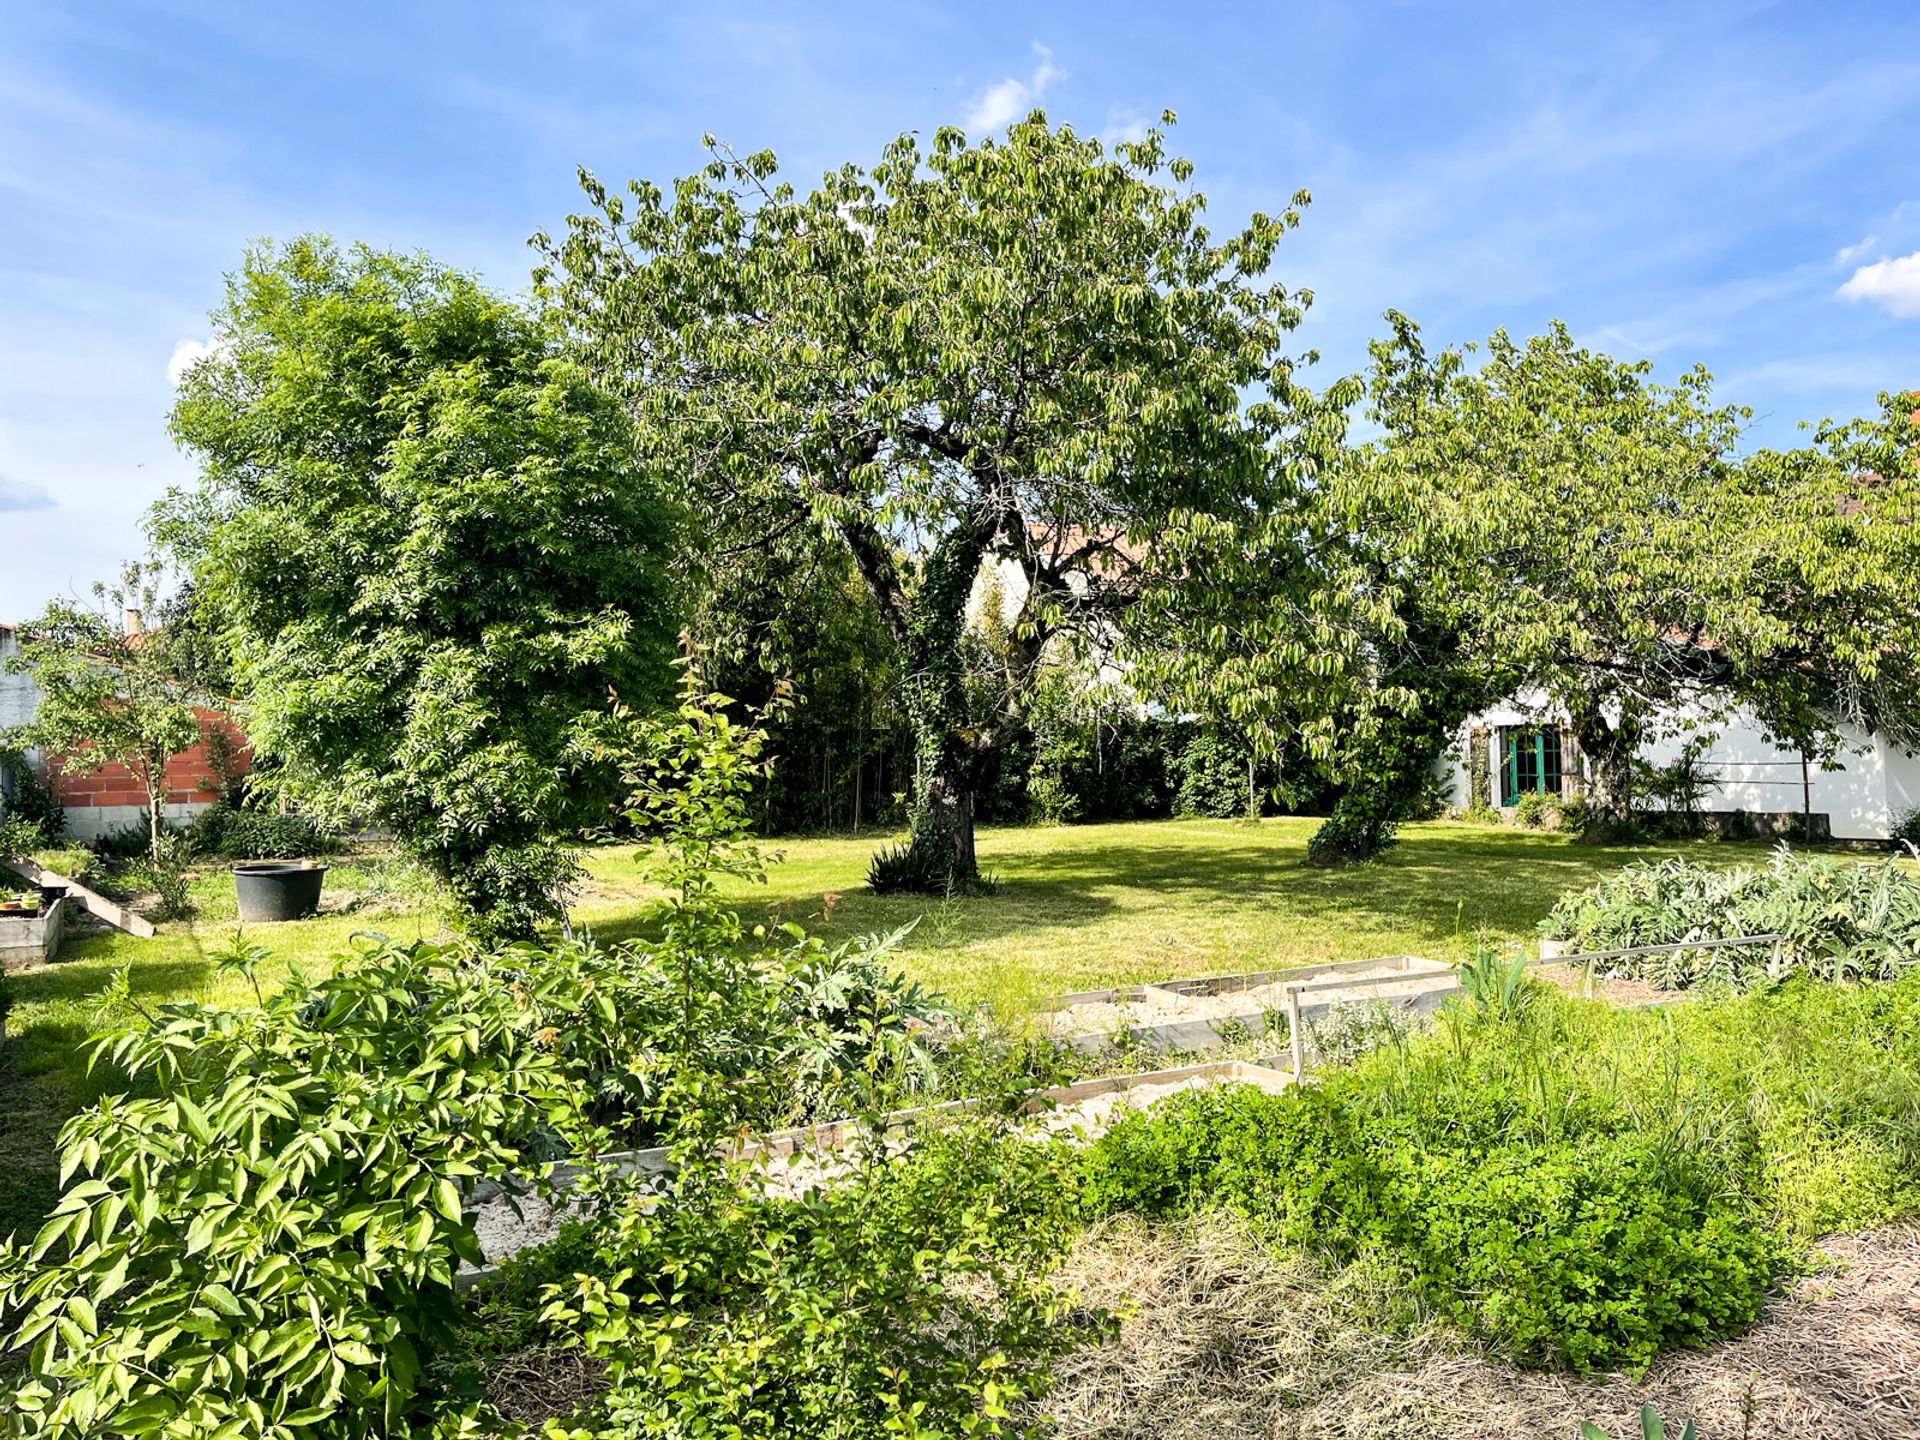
x: 1529, y: 763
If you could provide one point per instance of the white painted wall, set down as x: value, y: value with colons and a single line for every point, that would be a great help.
x: 1870, y: 785
x: 19, y: 697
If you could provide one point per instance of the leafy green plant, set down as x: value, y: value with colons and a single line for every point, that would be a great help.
x: 1841, y: 919
x: 1496, y: 989
x: 237, y: 834
x: 904, y: 1298
x: 1906, y: 827
x: 27, y: 801
x: 1537, y: 810
x: 166, y: 871
x: 1575, y: 1253
x: 1349, y: 1031
x: 265, y: 1242
x: 426, y: 542
x: 861, y: 1031
x: 1652, y: 1427
x: 20, y: 836
x: 902, y: 870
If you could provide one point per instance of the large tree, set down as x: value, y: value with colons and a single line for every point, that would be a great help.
x: 425, y: 539
x: 1577, y: 532
x: 1027, y: 349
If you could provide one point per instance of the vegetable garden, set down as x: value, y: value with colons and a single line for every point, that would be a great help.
x: 267, y: 1232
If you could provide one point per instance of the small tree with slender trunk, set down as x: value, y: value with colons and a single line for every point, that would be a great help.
x: 108, y: 694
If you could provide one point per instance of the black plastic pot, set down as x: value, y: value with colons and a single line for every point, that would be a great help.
x: 276, y: 890
x: 51, y: 893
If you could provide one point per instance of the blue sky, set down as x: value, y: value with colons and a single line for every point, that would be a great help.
x: 1731, y: 184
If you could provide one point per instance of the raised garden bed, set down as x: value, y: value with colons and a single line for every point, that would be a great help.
x: 32, y: 939
x: 1204, y: 1014
x: 1080, y: 1111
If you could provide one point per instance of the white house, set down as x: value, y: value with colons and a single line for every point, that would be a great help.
x: 1525, y: 745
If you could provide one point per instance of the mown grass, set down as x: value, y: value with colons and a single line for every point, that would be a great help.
x: 1082, y: 907
x: 1075, y: 907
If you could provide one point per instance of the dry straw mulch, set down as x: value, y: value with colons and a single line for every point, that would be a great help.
x: 1226, y: 1339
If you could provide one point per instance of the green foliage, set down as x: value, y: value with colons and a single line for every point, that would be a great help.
x: 1679, y: 786
x: 1906, y: 827
x: 107, y: 697
x: 863, y: 1033
x: 1349, y: 1031
x: 1497, y: 990
x: 1652, y: 1427
x: 116, y: 848
x: 795, y: 608
x: 1841, y: 919
x: 903, y: 870
x: 27, y: 804
x: 265, y: 1243
x: 904, y: 1299
x: 227, y: 833
x: 424, y: 540
x: 1537, y: 810
x: 1580, y: 1185
x: 871, y: 1293
x: 1026, y: 349
x: 165, y: 873
x: 1390, y: 739
x: 1586, y: 1251
x: 1210, y: 773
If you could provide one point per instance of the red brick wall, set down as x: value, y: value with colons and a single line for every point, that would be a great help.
x: 189, y: 777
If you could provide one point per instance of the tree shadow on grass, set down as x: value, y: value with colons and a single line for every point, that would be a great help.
x: 1438, y: 882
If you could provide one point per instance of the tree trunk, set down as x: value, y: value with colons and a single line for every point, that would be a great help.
x: 1609, y: 750
x: 948, y: 748
x: 942, y: 844
x: 156, y: 786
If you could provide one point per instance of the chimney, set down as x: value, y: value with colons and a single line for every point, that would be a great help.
x: 133, y: 622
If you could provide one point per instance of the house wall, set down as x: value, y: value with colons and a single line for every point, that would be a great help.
x: 1870, y: 785
x: 111, y: 798
x: 18, y: 697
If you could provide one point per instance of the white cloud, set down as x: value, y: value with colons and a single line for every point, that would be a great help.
x: 1129, y: 126
x: 1000, y: 105
x: 1847, y: 254
x: 1891, y: 284
x: 18, y: 495
x: 184, y: 354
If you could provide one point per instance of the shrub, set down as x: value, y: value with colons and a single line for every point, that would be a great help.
x: 1350, y: 1031
x: 28, y: 802
x: 901, y: 870
x: 226, y: 833
x: 1211, y: 779
x: 1841, y: 919
x: 1576, y: 1253
x: 166, y: 873
x: 1537, y: 810
x: 117, y: 847
x: 907, y: 1298
x: 1906, y: 827
x: 266, y: 1244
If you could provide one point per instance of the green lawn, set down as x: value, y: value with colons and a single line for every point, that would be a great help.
x: 1076, y: 907
x: 1081, y: 907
